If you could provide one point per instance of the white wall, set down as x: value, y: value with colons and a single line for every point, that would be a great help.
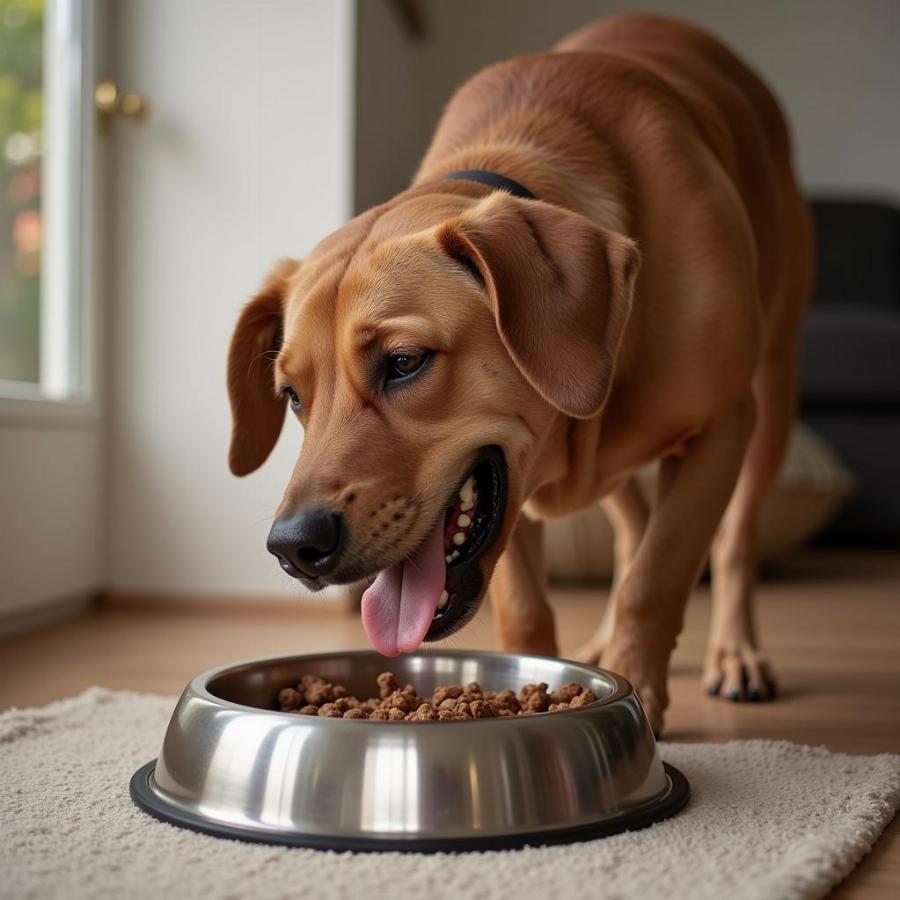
x: 50, y: 526
x: 246, y: 157
x: 835, y: 65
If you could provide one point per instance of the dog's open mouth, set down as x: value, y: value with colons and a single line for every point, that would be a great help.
x: 436, y: 590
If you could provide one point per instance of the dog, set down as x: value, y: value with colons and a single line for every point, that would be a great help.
x: 603, y: 260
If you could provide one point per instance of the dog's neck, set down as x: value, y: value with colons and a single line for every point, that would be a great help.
x: 602, y: 197
x: 493, y: 180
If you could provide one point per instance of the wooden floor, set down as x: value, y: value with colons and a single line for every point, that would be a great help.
x: 830, y: 622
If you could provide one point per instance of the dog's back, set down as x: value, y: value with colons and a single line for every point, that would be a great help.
x: 740, y: 120
x: 569, y: 108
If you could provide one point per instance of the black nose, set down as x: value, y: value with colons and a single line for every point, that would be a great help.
x: 310, y: 541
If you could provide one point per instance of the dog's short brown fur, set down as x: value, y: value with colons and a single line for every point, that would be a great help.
x: 646, y: 306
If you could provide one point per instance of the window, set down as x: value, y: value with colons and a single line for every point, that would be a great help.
x: 41, y: 175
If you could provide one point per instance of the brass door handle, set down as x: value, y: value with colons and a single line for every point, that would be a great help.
x: 109, y: 102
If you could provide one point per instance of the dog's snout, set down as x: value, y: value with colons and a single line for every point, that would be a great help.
x: 309, y: 541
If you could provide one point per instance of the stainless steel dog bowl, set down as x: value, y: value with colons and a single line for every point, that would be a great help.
x: 233, y: 765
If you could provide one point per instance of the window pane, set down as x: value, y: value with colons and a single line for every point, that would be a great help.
x: 21, y: 124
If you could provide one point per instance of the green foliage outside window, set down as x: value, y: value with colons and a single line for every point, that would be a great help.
x: 21, y: 122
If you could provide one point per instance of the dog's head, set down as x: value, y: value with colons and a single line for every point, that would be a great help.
x: 426, y: 348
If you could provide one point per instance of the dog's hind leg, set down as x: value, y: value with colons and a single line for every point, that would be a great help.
x: 736, y: 666
x: 522, y: 616
x: 628, y: 513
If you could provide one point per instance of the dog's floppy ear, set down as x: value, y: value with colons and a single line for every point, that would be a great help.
x: 257, y: 412
x: 560, y: 289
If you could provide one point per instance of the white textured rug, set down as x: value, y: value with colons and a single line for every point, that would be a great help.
x: 767, y: 819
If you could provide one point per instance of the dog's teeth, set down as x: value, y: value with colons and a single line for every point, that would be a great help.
x: 466, y: 492
x: 443, y: 600
x: 464, y: 521
x: 448, y: 558
x: 454, y: 555
x: 459, y: 538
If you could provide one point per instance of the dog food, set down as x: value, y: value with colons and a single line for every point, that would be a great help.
x: 314, y: 696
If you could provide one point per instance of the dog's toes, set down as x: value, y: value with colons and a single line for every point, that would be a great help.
x: 734, y: 681
x: 739, y: 677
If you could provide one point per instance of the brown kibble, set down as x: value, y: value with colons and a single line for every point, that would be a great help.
x: 425, y: 713
x: 289, y: 699
x: 507, y: 699
x: 566, y: 693
x: 483, y: 709
x: 452, y: 691
x: 314, y: 696
x: 534, y: 697
x: 319, y: 693
x: 529, y: 689
x: 403, y: 702
x: 387, y: 684
x: 582, y: 699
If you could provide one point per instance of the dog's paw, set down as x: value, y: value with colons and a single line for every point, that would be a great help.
x: 740, y: 674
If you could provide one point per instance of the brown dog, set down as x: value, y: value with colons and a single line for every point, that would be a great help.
x: 464, y: 352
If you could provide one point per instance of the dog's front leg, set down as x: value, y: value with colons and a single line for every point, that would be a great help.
x: 522, y: 616
x: 692, y: 494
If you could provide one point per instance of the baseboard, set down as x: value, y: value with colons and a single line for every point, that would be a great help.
x: 169, y: 602
x: 20, y: 621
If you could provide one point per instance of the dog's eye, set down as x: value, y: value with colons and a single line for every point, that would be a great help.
x: 291, y: 394
x: 402, y: 365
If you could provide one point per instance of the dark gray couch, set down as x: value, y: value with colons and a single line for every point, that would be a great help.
x: 850, y: 360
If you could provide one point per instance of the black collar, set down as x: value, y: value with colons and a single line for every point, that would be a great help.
x: 493, y: 180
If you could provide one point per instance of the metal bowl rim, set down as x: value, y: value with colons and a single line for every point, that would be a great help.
x: 199, y: 686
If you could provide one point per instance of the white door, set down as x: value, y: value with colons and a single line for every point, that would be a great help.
x: 245, y: 157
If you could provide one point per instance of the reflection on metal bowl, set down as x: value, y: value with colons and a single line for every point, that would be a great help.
x: 232, y: 765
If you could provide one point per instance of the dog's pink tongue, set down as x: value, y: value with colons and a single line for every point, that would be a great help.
x: 399, y: 606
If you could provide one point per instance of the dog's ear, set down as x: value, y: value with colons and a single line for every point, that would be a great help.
x: 257, y: 412
x: 560, y: 289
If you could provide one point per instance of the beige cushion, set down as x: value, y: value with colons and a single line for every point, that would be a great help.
x: 810, y: 489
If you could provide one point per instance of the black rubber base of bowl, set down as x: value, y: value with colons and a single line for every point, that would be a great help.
x: 671, y: 803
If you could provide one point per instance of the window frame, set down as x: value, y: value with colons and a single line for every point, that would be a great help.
x: 67, y: 391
